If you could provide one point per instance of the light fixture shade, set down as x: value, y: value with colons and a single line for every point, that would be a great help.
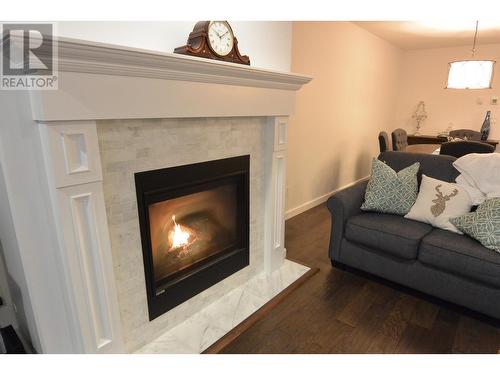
x: 470, y: 74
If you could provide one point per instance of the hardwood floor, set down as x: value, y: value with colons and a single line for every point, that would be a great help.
x: 337, y: 311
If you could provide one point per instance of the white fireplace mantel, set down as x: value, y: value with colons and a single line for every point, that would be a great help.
x: 145, y: 84
x: 52, y: 172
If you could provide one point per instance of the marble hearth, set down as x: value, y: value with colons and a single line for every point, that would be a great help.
x: 202, y: 329
x: 119, y: 111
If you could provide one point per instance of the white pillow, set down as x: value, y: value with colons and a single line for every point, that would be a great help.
x: 438, y: 202
x: 481, y: 171
x: 476, y: 196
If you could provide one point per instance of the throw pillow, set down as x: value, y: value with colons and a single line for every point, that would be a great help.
x: 439, y: 201
x: 482, y: 224
x: 390, y: 192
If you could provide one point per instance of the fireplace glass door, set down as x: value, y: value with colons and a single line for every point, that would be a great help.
x: 194, y: 227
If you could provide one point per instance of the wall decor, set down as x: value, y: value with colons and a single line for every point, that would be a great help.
x: 419, y: 115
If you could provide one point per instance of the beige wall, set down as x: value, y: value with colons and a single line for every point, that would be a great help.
x: 423, y: 77
x: 333, y: 133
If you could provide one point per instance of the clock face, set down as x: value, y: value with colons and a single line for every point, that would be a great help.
x: 220, y: 37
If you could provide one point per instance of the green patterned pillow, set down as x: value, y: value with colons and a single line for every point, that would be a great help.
x: 390, y: 192
x: 483, y: 224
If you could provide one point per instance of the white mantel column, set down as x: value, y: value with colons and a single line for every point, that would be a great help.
x: 275, y: 178
x: 71, y: 155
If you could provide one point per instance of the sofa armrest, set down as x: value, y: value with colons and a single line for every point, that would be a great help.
x: 342, y: 205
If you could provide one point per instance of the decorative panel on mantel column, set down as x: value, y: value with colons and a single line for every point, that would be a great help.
x: 275, y: 192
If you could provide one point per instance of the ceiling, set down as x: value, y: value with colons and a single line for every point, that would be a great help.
x: 433, y: 34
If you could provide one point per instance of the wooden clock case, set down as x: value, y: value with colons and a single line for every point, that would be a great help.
x: 198, y: 45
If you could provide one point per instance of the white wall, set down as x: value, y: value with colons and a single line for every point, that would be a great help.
x: 7, y: 315
x: 268, y: 44
x: 338, y: 115
x: 423, y: 77
x: 18, y: 310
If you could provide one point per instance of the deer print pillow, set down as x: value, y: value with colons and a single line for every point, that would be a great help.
x: 438, y: 201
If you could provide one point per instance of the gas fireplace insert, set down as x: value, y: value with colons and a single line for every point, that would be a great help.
x: 194, y: 222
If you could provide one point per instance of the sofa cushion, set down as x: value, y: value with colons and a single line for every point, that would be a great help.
x: 391, y: 234
x: 460, y: 255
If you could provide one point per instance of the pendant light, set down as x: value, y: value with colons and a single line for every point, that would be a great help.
x: 470, y: 74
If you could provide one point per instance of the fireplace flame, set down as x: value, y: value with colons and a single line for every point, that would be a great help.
x: 180, y: 237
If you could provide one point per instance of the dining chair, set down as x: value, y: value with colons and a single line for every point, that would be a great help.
x: 399, y: 140
x: 471, y: 135
x: 383, y: 141
x: 461, y: 148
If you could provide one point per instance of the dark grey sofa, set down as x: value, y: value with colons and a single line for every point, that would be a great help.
x: 446, y: 265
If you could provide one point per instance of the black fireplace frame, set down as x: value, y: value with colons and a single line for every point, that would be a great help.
x: 162, y: 184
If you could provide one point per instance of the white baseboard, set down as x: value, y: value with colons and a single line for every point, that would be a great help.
x: 316, y: 201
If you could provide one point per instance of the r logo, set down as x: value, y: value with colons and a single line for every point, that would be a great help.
x: 27, y: 50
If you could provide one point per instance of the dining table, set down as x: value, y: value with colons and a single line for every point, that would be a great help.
x: 423, y: 149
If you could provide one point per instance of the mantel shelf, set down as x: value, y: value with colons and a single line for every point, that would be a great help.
x: 82, y: 56
x: 103, y: 81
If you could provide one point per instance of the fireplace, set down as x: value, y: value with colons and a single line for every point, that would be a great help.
x: 81, y: 223
x: 194, y: 222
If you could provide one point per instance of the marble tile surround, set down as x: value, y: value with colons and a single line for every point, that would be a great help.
x: 130, y: 146
x: 202, y: 329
